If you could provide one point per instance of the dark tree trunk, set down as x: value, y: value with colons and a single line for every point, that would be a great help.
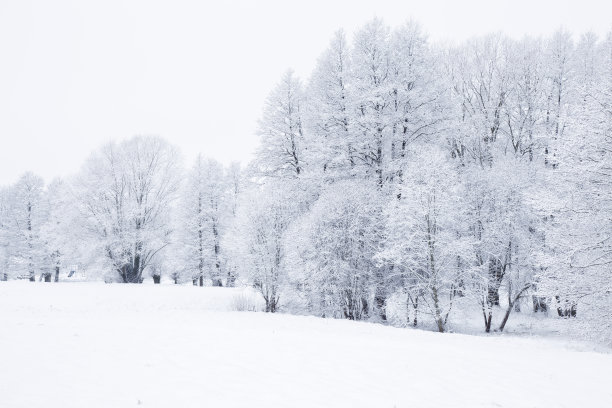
x: 48, y: 277
x: 496, y: 274
x: 195, y: 281
x: 137, y: 270
x: 415, y: 309
x: 130, y: 274
x: 217, y: 282
x: 5, y: 276
x: 271, y: 306
x: 156, y: 279
x: 271, y: 302
x: 201, y: 280
x: 57, y: 269
x: 231, y: 280
x: 511, y: 303
x: 567, y: 309
x: 487, y: 319
x: 539, y: 304
x: 380, y: 295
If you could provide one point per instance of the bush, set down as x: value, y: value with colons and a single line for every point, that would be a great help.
x: 244, y: 302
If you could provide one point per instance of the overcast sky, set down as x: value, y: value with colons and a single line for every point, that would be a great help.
x: 75, y: 74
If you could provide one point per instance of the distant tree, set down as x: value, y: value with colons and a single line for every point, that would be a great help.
x: 204, y: 208
x: 25, y: 215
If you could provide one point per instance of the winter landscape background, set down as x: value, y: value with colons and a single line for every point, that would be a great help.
x: 402, y: 189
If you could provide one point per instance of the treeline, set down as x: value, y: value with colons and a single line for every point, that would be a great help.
x: 437, y: 175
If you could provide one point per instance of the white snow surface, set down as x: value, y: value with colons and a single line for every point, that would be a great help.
x: 94, y: 345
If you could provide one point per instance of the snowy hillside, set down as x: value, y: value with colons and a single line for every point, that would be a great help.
x: 95, y: 345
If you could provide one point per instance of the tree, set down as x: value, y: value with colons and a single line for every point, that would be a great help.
x: 418, y: 97
x: 372, y: 101
x: 4, y: 235
x: 281, y: 150
x: 25, y: 216
x: 503, y: 227
x: 58, y: 230
x: 425, y: 239
x: 204, y: 209
x: 263, y: 223
x: 235, y: 185
x: 328, y: 114
x: 125, y: 193
x: 331, y: 250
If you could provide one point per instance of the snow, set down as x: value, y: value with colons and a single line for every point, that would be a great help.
x: 96, y: 345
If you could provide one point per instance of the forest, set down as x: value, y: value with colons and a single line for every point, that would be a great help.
x: 402, y: 182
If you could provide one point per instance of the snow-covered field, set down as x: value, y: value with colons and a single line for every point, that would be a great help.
x: 93, y: 345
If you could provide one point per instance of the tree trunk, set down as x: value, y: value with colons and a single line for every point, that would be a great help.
x: 496, y: 274
x: 136, y: 271
x: 48, y: 277
x: 380, y: 295
x: 156, y: 279
x: 201, y: 280
x: 57, y: 270
x: 129, y: 273
x: 437, y: 311
x: 567, y: 310
x: 511, y: 303
x: 231, y: 279
x: 539, y: 304
x: 270, y: 306
x: 414, y: 305
x: 5, y: 276
x: 488, y: 318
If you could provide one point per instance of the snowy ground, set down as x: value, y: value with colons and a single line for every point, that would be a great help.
x: 93, y: 345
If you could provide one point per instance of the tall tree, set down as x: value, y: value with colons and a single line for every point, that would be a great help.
x: 204, y: 211
x: 281, y: 149
x: 331, y: 147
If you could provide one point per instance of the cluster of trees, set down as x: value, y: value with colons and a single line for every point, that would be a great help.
x: 438, y: 175
x: 132, y: 212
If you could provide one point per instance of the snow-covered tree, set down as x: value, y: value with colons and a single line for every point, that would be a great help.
x: 25, y: 215
x: 331, y: 251
x: 263, y: 218
x: 125, y: 193
x: 282, y: 139
x: 328, y: 114
x: 204, y: 209
x: 425, y: 239
x: 372, y: 103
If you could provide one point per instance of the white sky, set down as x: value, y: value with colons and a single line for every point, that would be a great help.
x: 75, y: 74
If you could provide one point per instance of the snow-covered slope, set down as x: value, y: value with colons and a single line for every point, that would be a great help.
x: 94, y: 345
